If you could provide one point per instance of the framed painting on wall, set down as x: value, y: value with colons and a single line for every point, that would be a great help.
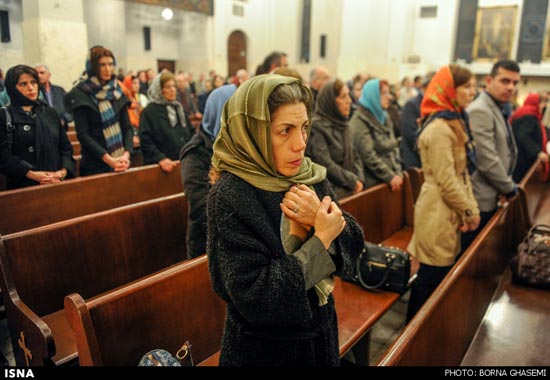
x: 495, y: 30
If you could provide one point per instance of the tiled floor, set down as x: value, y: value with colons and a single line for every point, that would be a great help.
x: 387, y: 329
x: 384, y: 332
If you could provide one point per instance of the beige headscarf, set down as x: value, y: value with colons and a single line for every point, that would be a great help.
x: 243, y: 147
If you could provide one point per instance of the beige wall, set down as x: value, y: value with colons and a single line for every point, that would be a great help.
x: 363, y: 35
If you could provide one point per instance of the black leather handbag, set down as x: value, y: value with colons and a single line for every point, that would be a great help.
x: 380, y: 267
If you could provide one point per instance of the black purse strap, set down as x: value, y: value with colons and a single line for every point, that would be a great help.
x: 9, y: 128
x: 389, y: 262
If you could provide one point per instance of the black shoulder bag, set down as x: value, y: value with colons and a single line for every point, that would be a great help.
x: 380, y: 267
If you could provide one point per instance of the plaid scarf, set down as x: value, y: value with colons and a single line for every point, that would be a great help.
x: 103, y: 96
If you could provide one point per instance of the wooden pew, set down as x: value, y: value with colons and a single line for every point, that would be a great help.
x: 522, y: 312
x: 36, y: 206
x: 100, y: 329
x: 442, y: 331
x: 521, y: 336
x: 537, y: 196
x: 160, y: 311
x: 72, y: 136
x: 76, y: 148
x: 416, y: 176
x: 89, y: 255
x: 386, y: 217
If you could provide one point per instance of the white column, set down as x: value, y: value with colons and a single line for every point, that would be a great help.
x: 54, y: 34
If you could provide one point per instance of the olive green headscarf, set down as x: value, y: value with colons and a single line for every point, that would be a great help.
x: 243, y: 146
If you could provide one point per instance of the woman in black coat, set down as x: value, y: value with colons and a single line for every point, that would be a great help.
x: 330, y: 144
x: 101, y: 116
x: 196, y: 158
x: 164, y: 127
x: 35, y: 150
x: 278, y: 289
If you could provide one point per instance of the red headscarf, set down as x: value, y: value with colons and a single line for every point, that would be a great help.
x: 440, y: 94
x: 531, y: 108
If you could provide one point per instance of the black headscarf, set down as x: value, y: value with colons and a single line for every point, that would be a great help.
x: 47, y: 153
x: 326, y: 109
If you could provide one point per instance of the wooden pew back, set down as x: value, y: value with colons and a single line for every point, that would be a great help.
x: 95, y: 253
x: 89, y: 255
x: 385, y: 212
x: 160, y: 311
x: 536, y: 195
x: 41, y: 205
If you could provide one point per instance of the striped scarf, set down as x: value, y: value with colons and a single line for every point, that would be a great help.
x: 103, y: 96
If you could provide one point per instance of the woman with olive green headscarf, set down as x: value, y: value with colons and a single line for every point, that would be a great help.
x: 280, y: 310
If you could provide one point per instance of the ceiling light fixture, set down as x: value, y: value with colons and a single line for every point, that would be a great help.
x: 167, y: 14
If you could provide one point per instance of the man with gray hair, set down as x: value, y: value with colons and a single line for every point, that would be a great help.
x: 318, y: 77
x: 52, y: 94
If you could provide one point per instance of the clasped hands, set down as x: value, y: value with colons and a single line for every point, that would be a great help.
x: 302, y: 207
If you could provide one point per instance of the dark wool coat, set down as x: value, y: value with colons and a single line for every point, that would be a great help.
x: 528, y: 136
x: 158, y: 139
x: 196, y: 158
x: 16, y: 163
x: 326, y: 146
x: 89, y: 130
x: 271, y: 319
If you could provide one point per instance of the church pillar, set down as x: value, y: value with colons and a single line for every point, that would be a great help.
x: 54, y: 34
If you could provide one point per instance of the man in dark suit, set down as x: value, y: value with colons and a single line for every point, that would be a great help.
x: 53, y: 95
x: 496, y: 150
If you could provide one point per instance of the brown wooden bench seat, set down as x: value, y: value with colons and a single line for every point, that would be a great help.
x: 31, y: 207
x: 514, y: 331
x: 90, y: 255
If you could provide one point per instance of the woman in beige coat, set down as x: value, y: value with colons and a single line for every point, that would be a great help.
x: 446, y: 205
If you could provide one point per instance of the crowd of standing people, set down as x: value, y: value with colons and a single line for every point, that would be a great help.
x: 274, y: 150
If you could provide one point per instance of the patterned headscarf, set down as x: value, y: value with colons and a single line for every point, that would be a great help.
x: 440, y: 102
x: 174, y: 108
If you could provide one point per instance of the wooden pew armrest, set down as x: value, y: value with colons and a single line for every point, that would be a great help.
x: 28, y: 330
